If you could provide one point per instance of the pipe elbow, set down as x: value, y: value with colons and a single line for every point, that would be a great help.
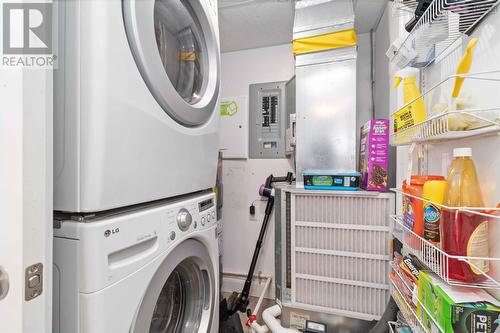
x: 269, y: 316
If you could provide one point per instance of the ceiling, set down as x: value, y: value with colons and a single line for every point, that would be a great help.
x: 248, y: 24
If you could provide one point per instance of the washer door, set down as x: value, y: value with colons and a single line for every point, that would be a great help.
x: 175, y: 46
x: 180, y: 297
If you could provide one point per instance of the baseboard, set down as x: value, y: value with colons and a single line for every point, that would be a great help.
x: 231, y: 283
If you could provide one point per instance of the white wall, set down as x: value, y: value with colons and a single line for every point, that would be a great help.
x: 242, y: 178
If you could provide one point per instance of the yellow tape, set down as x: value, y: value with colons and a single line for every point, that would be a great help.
x: 188, y: 56
x: 333, y: 40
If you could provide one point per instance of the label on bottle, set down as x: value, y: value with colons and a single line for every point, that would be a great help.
x: 432, y: 218
x: 408, y: 213
x: 477, y: 246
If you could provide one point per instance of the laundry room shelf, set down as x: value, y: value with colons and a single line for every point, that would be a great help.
x: 474, y: 119
x: 399, y: 288
x: 442, y: 24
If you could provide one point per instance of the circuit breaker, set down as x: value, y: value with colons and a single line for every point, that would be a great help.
x: 267, y: 122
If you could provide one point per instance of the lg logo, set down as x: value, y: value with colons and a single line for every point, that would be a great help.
x: 110, y: 232
x: 27, y: 28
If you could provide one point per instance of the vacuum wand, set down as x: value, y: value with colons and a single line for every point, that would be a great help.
x: 248, y: 282
x: 239, y: 302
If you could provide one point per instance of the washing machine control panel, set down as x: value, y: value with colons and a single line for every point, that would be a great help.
x: 206, y: 209
x: 195, y: 215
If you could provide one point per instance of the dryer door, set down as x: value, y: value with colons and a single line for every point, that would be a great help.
x: 181, y: 296
x: 175, y: 46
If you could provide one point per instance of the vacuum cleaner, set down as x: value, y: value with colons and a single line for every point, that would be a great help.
x: 238, y: 301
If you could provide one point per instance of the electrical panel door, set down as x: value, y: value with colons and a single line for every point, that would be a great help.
x: 267, y: 121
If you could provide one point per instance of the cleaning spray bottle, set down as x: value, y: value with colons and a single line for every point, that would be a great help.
x: 411, y: 113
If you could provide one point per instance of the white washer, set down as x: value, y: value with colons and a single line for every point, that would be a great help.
x: 150, y: 270
x: 136, y: 94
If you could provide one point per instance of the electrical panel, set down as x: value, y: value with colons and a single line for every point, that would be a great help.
x: 267, y: 123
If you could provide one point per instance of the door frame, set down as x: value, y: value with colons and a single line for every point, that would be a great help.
x: 26, y: 195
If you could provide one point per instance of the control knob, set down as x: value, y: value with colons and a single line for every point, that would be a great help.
x: 184, y: 219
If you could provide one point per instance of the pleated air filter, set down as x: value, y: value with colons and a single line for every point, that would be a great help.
x: 334, y: 248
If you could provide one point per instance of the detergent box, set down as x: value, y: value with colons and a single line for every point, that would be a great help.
x: 374, y: 154
x: 456, y: 309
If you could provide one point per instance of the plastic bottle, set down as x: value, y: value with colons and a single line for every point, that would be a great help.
x: 413, y: 113
x: 413, y: 208
x: 434, y: 190
x: 463, y: 233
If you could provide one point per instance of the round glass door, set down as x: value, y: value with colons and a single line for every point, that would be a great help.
x: 182, y: 300
x: 182, y: 47
x: 180, y: 297
x: 175, y: 46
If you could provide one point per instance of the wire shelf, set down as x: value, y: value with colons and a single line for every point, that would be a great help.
x: 398, y: 288
x: 441, y: 262
x: 405, y: 7
x: 443, y: 23
x: 456, y: 123
x: 393, y: 326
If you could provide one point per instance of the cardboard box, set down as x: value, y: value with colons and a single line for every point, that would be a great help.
x: 456, y: 309
x: 374, y: 155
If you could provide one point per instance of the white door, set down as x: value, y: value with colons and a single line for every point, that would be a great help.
x: 176, y: 48
x: 25, y: 195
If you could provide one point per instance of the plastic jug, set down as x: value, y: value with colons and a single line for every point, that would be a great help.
x: 463, y: 233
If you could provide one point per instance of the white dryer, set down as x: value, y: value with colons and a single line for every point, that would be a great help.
x: 136, y: 92
x: 150, y: 270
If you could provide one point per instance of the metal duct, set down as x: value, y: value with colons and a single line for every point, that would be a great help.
x: 326, y: 89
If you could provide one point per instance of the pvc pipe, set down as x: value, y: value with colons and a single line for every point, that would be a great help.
x: 254, y: 326
x: 258, y: 276
x: 259, y: 328
x: 269, y: 316
x: 261, y: 298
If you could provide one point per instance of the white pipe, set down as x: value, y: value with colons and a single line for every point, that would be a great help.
x: 259, y: 328
x: 254, y: 326
x: 269, y: 316
x: 261, y: 298
x: 236, y: 275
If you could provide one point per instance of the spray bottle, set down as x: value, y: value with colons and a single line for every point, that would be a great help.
x: 413, y: 111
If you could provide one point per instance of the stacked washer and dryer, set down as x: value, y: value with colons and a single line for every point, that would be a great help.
x: 135, y: 246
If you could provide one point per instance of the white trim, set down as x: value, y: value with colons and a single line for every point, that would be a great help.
x: 26, y: 181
